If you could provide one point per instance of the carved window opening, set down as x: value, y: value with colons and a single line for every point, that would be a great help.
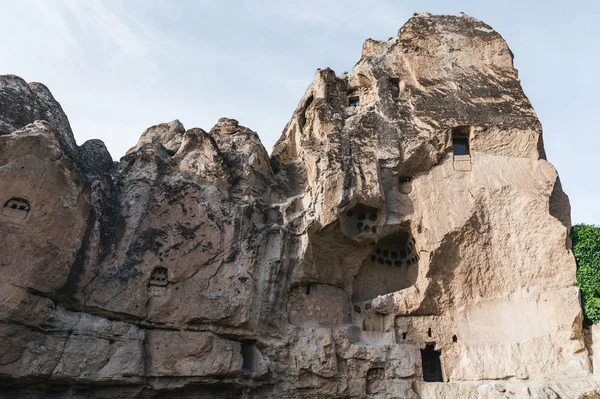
x: 395, y: 88
x: 404, y: 335
x: 159, y: 280
x: 460, y: 140
x: 353, y: 100
x: 454, y: 339
x: 16, y: 208
x: 405, y: 184
x: 432, y: 366
x: 249, y: 358
x: 429, y: 332
x: 307, y: 289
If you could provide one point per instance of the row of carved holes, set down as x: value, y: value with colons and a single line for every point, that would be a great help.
x: 354, y: 97
x: 362, y: 224
x: 430, y: 334
x: 390, y: 257
x: 159, y: 276
x: 409, y: 262
x: 17, y: 203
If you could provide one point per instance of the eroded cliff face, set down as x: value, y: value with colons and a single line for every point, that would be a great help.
x: 406, y: 239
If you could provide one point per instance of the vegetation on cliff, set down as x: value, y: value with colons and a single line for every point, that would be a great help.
x: 586, y: 248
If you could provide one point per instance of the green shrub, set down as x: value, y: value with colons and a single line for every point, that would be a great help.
x: 586, y: 248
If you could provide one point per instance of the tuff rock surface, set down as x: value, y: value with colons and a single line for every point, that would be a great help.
x: 406, y: 215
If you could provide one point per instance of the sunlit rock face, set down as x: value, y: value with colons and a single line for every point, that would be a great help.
x: 406, y: 239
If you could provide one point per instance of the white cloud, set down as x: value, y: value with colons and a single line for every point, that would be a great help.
x: 118, y: 67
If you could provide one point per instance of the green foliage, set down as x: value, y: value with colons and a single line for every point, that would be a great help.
x: 586, y: 248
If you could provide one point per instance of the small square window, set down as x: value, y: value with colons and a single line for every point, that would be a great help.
x: 354, y: 101
x: 395, y: 88
x: 460, y: 145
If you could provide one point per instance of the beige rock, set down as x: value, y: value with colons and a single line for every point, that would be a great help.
x: 45, y: 208
x: 185, y: 354
x: 169, y: 135
x: 406, y: 239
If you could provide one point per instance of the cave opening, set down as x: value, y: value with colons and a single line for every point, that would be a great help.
x: 460, y: 140
x: 432, y: 365
x: 249, y: 360
x: 353, y: 101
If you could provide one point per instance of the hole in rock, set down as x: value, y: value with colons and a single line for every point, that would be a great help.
x: 395, y: 88
x: 373, y: 280
x: 159, y: 279
x: 460, y: 140
x: 405, y: 185
x: 353, y: 101
x: 159, y: 276
x: 429, y: 332
x: 307, y: 289
x: 432, y: 366
x: 249, y: 360
x: 454, y: 339
x: 357, y: 220
x: 373, y: 229
x: 16, y: 208
x: 403, y: 335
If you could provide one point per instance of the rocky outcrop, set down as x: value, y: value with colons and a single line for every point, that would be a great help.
x: 406, y: 239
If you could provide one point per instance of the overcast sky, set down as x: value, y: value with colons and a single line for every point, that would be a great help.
x: 118, y: 67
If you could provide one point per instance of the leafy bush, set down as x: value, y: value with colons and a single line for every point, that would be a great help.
x: 586, y: 248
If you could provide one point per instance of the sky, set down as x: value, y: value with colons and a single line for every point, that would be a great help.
x: 118, y: 67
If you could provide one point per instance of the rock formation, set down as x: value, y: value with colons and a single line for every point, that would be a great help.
x: 406, y: 239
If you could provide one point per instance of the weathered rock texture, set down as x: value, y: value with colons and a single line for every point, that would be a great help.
x: 406, y: 229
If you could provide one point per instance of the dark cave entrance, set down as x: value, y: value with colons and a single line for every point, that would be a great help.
x: 432, y: 366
